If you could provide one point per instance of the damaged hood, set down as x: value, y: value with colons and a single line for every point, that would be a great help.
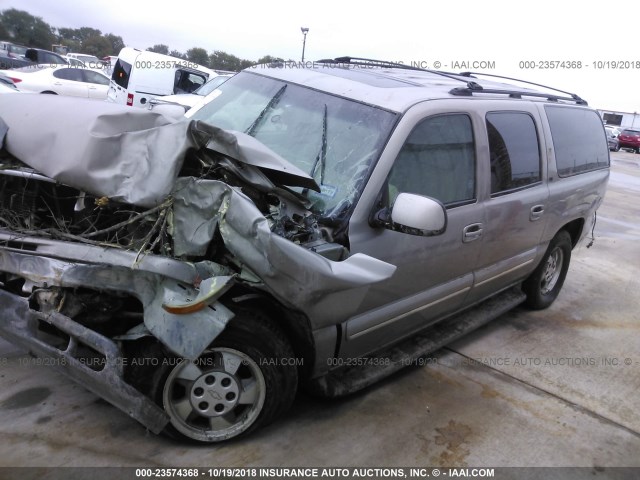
x: 134, y: 156
x: 129, y: 155
x: 246, y: 149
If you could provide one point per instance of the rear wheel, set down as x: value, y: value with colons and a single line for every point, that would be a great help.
x: 243, y: 381
x: 544, y: 284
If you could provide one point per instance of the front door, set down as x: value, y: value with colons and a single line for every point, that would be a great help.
x: 434, y: 273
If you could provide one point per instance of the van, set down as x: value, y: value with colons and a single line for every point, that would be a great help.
x: 138, y: 76
x: 319, y: 228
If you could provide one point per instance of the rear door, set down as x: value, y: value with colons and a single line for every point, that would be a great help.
x: 517, y: 202
x: 97, y: 84
x: 70, y: 82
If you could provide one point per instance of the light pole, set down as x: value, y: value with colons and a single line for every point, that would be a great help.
x: 304, y: 30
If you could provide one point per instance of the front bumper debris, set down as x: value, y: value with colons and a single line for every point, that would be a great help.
x: 19, y: 325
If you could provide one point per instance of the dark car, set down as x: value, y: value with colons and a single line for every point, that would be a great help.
x: 12, y: 50
x: 629, y: 138
x: 612, y: 139
x: 32, y: 56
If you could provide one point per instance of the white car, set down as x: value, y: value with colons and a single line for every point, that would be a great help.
x: 61, y: 80
x: 615, y: 130
x: 86, y: 59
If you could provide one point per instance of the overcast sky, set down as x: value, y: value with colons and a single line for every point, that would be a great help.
x: 503, y: 32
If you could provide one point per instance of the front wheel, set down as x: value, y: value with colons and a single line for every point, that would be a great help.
x: 243, y: 381
x: 543, y: 285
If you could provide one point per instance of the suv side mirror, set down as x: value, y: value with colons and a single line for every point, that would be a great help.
x: 414, y: 215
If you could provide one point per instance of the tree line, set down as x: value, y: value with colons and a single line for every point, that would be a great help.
x: 21, y: 27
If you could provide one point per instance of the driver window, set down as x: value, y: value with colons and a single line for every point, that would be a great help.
x: 437, y: 160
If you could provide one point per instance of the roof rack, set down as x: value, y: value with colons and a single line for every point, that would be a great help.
x: 517, y: 94
x: 384, y: 63
x: 472, y: 87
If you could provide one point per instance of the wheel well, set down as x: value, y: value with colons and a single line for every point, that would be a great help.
x: 574, y: 229
x: 295, y: 324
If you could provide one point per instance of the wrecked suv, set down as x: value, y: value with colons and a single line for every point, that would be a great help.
x: 314, y: 228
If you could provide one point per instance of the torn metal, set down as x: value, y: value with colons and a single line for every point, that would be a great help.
x: 130, y: 202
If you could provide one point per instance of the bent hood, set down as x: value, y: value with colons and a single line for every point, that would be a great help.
x: 129, y: 155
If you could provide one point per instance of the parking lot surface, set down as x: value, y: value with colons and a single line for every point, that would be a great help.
x: 556, y: 387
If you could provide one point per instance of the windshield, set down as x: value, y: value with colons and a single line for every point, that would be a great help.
x: 333, y: 139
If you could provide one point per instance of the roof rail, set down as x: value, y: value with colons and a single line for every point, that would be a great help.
x: 384, y: 63
x: 572, y: 96
x: 472, y: 87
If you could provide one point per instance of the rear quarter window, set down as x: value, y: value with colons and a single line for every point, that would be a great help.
x: 578, y: 140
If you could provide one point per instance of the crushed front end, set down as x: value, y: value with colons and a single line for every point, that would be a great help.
x: 123, y: 226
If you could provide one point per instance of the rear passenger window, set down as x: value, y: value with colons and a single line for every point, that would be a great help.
x: 51, y: 59
x: 577, y: 140
x: 514, y: 151
x: 72, y: 74
x: 437, y: 160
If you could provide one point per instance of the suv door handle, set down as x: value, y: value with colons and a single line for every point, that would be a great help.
x: 536, y: 212
x: 471, y: 232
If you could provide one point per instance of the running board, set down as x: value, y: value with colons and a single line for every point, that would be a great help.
x: 347, y: 380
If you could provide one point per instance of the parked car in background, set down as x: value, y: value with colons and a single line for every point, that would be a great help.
x: 32, y: 56
x: 11, y: 54
x: 140, y: 76
x: 10, y: 49
x: 615, y: 129
x: 74, y: 62
x: 189, y: 100
x: 61, y: 80
x: 612, y: 139
x: 90, y: 61
x: 629, y: 139
x: 110, y: 59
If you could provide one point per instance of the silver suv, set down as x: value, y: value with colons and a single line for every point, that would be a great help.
x: 316, y: 227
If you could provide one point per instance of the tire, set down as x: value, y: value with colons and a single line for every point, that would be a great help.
x: 544, y: 284
x: 236, y: 386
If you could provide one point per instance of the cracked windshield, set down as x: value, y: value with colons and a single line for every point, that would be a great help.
x: 334, y: 140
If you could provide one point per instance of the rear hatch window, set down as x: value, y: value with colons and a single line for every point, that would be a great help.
x: 630, y: 132
x: 121, y: 73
